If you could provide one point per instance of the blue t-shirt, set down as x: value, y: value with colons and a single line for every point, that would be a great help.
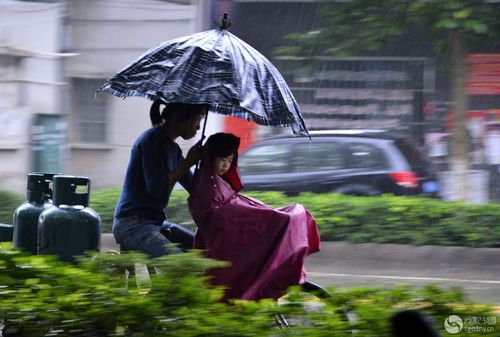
x: 145, y: 190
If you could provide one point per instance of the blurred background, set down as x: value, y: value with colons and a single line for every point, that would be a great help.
x: 420, y: 78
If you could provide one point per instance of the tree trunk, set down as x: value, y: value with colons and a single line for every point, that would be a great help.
x: 459, y: 160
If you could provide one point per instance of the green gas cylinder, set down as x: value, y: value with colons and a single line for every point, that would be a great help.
x: 39, y: 195
x: 69, y: 227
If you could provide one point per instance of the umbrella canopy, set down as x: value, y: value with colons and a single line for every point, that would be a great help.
x: 216, y: 68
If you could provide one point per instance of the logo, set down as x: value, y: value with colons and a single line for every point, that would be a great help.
x: 453, y: 324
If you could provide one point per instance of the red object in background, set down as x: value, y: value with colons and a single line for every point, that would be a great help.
x: 241, y: 128
x: 405, y: 178
x: 484, y: 74
x: 489, y: 115
x: 449, y: 121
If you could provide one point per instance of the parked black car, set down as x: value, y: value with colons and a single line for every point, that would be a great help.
x: 349, y: 162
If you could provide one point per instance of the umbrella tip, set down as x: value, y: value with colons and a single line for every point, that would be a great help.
x: 224, y: 22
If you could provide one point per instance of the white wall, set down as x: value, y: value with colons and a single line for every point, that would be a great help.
x: 98, y: 38
x: 108, y: 35
x: 30, y: 81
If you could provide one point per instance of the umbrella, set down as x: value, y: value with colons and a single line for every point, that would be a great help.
x: 216, y: 68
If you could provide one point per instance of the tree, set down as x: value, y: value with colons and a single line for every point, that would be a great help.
x: 360, y: 27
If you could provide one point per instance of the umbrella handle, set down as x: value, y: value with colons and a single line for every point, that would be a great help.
x: 202, y: 136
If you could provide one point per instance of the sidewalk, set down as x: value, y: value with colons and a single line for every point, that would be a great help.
x: 108, y: 242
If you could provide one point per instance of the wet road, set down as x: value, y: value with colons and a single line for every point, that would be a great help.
x: 475, y: 270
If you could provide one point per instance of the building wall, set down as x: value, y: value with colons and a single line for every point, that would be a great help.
x: 30, y: 81
x: 45, y: 48
x: 108, y: 35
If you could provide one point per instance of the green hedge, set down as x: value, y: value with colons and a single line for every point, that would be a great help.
x: 8, y: 203
x: 405, y: 220
x: 383, y: 219
x: 40, y: 296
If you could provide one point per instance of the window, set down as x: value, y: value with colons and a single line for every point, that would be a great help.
x: 90, y: 112
x: 269, y: 158
x: 415, y: 156
x: 365, y: 156
x: 318, y: 156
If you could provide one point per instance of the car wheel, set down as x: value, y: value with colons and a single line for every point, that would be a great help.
x: 357, y: 189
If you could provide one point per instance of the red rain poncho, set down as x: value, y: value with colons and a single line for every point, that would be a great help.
x: 266, y: 246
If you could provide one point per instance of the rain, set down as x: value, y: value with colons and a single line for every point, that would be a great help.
x: 381, y: 118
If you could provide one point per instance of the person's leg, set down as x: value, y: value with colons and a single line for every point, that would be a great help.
x: 154, y: 243
x: 134, y: 233
x: 178, y: 235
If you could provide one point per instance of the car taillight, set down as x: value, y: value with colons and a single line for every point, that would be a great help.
x: 405, y: 178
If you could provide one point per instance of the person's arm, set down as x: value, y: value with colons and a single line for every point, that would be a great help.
x: 194, y: 154
x: 180, y: 171
x: 187, y: 181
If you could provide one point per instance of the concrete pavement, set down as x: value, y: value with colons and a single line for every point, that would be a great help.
x: 108, y: 242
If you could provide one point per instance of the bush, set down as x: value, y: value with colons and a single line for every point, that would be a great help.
x: 382, y: 219
x: 41, y: 296
x: 8, y: 203
x: 394, y: 219
x: 104, y: 203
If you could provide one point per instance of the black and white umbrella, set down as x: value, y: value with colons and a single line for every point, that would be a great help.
x: 216, y: 68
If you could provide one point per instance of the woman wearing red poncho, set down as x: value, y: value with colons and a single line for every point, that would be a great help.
x: 265, y: 246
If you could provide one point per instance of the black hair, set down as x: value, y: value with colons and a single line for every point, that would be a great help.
x: 222, y: 145
x: 154, y: 112
x: 187, y: 110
